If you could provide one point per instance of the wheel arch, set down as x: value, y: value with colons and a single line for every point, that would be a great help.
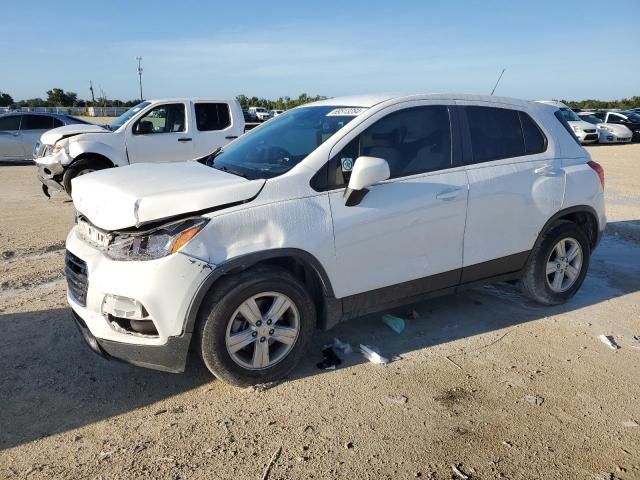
x: 86, y: 155
x: 582, y: 215
x: 300, y: 263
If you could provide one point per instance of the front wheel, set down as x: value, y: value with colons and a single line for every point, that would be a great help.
x: 82, y: 167
x: 558, y: 265
x: 256, y: 326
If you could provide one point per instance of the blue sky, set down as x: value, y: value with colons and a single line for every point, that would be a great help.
x: 551, y: 49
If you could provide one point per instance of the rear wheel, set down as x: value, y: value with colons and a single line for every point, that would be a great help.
x: 256, y: 326
x: 558, y: 265
x: 82, y: 167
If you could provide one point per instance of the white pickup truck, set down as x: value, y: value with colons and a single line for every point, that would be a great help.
x: 168, y: 130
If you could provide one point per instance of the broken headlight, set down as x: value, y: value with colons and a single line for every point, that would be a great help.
x: 156, y: 243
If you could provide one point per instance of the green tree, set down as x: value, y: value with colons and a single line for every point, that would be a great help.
x: 5, y: 99
x: 57, y: 97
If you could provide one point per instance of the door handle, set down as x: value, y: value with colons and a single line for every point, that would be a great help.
x: 548, y: 171
x: 231, y: 137
x: 184, y: 139
x: 448, y: 194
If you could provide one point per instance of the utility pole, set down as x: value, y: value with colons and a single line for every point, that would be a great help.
x: 140, y: 75
x: 93, y: 97
x: 494, y: 87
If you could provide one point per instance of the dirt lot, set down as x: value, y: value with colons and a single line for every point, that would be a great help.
x: 465, y: 367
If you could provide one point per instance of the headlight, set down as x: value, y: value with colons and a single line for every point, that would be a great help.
x: 607, y: 129
x: 58, y: 147
x: 157, y: 243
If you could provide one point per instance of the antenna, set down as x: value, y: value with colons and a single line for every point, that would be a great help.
x: 494, y: 87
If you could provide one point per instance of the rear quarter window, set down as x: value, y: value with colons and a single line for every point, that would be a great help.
x: 534, y: 140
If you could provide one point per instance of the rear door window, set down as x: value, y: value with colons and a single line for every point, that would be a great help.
x: 36, y: 122
x: 212, y: 116
x: 9, y: 122
x: 495, y: 133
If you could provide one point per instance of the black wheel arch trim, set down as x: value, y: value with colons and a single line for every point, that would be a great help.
x: 568, y: 211
x: 243, y: 262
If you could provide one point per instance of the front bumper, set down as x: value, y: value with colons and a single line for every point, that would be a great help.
x: 609, y: 137
x: 165, y: 287
x: 50, y: 182
x: 168, y: 358
x: 587, y: 137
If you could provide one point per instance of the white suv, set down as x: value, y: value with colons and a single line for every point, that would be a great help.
x: 329, y: 211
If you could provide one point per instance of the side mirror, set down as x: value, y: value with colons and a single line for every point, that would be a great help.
x: 143, y: 127
x: 367, y: 171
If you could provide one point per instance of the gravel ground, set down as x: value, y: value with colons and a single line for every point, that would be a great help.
x: 463, y: 392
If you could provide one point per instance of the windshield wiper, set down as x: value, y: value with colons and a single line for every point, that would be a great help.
x: 233, y: 172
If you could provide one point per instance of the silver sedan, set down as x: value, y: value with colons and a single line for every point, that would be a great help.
x: 20, y: 131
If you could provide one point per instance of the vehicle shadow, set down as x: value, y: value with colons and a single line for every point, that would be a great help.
x: 50, y: 382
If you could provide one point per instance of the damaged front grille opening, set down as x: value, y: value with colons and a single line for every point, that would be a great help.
x: 138, y: 327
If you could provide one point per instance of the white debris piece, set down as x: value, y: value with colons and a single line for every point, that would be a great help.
x: 370, y: 354
x: 609, y: 341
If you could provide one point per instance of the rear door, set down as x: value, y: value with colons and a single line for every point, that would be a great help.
x: 215, y: 127
x: 408, y: 229
x: 11, y: 147
x: 163, y: 134
x: 515, y: 185
x: 32, y: 128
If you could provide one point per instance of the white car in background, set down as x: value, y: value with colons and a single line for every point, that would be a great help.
x: 259, y: 113
x: 275, y: 113
x: 154, y: 131
x: 584, y: 131
x: 607, y: 132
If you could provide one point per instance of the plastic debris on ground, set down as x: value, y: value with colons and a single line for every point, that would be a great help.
x: 331, y: 360
x: 635, y: 341
x: 394, y: 323
x: 372, y: 354
x: 609, y: 341
x: 399, y: 399
x: 534, y: 399
x: 343, y: 348
x: 630, y: 424
x: 456, y: 469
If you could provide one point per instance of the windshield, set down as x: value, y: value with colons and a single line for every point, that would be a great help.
x: 569, y: 115
x: 283, y: 142
x: 634, y: 117
x: 590, y: 119
x: 122, y: 119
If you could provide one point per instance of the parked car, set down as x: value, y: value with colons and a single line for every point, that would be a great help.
x: 153, y: 131
x: 275, y: 113
x: 329, y: 211
x: 629, y: 119
x: 259, y: 114
x: 585, y: 132
x: 20, y: 132
x: 607, y: 132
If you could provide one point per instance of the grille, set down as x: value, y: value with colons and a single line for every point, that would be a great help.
x: 77, y: 280
x: 590, y: 130
x: 590, y: 137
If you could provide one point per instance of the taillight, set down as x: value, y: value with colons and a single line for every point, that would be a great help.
x: 599, y: 170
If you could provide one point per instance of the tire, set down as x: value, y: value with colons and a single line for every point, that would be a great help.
x: 546, y: 265
x: 82, y: 167
x: 220, y: 319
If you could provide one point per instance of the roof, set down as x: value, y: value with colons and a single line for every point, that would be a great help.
x: 371, y: 100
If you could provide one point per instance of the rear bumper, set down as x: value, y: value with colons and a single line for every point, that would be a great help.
x: 170, y: 357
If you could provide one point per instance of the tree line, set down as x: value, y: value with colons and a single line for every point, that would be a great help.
x: 57, y: 97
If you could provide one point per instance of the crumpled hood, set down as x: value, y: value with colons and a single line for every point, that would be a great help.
x: 125, y: 197
x: 50, y: 137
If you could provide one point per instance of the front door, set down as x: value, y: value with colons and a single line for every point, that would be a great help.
x: 163, y: 134
x: 406, y: 231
